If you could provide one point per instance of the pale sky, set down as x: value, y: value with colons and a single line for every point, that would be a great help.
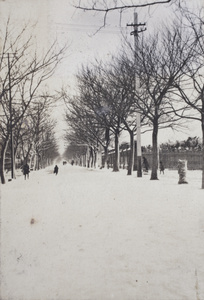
x: 59, y: 19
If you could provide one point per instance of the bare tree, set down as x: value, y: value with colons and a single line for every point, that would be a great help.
x: 108, y: 97
x: 190, y: 87
x: 161, y: 61
x: 41, y: 133
x: 123, y: 80
x: 92, y: 108
x: 83, y: 127
x: 76, y: 152
x: 105, y: 104
x: 22, y: 74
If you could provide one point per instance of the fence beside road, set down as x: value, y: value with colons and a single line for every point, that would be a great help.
x: 169, y: 159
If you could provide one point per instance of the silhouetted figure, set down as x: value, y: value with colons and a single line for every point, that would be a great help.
x: 56, y: 169
x: 161, y: 167
x: 26, y: 171
x: 72, y: 162
x: 145, y: 165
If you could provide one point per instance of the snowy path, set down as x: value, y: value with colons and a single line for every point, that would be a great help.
x: 99, y: 235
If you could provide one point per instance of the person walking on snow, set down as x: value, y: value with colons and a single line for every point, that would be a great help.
x: 161, y: 167
x: 145, y: 165
x: 56, y: 170
x: 26, y: 170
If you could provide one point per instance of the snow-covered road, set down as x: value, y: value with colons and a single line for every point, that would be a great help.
x: 99, y: 235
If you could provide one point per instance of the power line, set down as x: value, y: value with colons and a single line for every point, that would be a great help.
x: 84, y: 27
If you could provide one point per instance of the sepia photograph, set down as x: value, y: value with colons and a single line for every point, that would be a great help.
x: 101, y: 149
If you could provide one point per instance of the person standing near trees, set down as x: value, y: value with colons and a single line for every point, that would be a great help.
x: 26, y: 170
x: 145, y: 165
x: 161, y: 167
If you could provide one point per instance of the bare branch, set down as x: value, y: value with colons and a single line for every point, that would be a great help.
x: 105, y: 9
x: 121, y: 8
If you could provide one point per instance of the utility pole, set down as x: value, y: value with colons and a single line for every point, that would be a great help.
x: 11, y: 117
x: 138, y: 117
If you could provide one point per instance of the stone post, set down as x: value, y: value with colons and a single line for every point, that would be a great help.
x: 182, y: 169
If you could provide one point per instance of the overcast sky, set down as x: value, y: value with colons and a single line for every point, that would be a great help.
x: 59, y: 19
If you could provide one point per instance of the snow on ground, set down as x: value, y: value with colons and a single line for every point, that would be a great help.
x: 99, y: 235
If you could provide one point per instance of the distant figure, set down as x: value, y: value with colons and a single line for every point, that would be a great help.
x: 56, y: 170
x: 72, y: 162
x: 145, y: 165
x: 26, y: 171
x: 161, y: 167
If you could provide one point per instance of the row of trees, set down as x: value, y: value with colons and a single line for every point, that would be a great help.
x: 169, y: 65
x: 25, y: 124
x: 34, y: 135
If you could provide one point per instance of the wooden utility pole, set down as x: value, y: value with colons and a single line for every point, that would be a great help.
x: 136, y: 25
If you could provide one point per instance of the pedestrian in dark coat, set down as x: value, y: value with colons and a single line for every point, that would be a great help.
x: 56, y: 170
x: 145, y: 165
x: 161, y: 167
x: 26, y: 170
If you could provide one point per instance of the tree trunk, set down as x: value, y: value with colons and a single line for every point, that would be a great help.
x: 131, y: 154
x: 202, y: 120
x: 99, y: 157
x: 38, y: 162
x: 107, y: 141
x: 95, y: 158
x: 37, y: 165
x: 28, y: 153
x: 35, y: 162
x: 2, y: 161
x: 105, y: 156
x: 91, y: 156
x: 154, y: 152
x: 117, y: 157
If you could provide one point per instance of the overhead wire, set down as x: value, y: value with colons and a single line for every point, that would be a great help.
x: 85, y: 27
